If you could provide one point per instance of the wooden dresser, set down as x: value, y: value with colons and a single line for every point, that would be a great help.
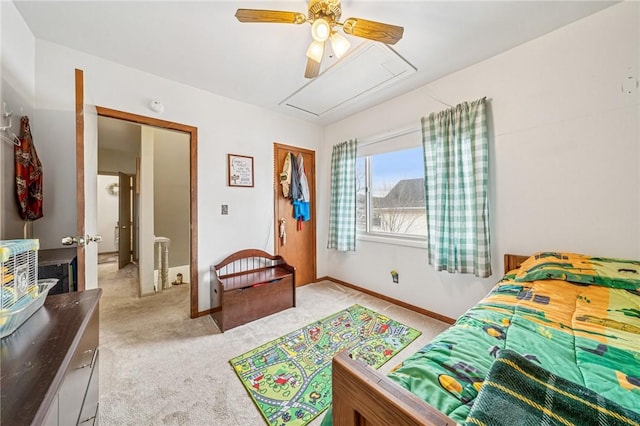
x: 49, y: 372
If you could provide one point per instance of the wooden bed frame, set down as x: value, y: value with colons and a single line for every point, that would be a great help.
x: 364, y: 397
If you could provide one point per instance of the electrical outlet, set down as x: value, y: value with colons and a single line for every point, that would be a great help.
x: 224, y: 209
x: 395, y: 277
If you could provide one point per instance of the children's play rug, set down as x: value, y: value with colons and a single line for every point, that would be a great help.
x: 289, y: 378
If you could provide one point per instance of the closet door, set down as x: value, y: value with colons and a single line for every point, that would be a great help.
x: 299, y: 246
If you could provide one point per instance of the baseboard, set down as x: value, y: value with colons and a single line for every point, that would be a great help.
x: 173, y: 272
x: 414, y: 308
x: 405, y: 305
x: 208, y: 311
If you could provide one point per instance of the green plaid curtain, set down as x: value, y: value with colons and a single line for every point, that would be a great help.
x: 342, y: 217
x: 456, y: 164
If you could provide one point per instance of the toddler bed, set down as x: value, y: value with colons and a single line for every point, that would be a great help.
x: 556, y: 341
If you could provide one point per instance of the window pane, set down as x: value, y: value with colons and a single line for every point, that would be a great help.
x: 361, y: 194
x: 397, y: 193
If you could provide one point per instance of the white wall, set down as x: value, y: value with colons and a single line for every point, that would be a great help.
x: 224, y: 126
x: 56, y: 122
x: 17, y: 90
x: 113, y: 161
x: 564, y: 158
x: 107, y: 214
x: 171, y: 192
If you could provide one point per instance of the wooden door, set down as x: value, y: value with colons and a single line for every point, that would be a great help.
x: 299, y: 250
x: 124, y: 220
x: 79, y: 95
x: 86, y: 186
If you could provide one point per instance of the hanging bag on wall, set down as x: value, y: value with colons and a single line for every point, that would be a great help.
x: 28, y: 175
x: 285, y: 176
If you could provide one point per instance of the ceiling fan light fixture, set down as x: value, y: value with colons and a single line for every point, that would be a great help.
x: 320, y: 30
x: 316, y: 51
x: 339, y: 44
x: 324, y: 16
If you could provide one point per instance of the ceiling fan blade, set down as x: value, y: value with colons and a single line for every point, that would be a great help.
x: 378, y: 31
x: 313, y: 69
x: 270, y: 16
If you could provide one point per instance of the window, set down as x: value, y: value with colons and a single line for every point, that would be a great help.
x: 390, y: 194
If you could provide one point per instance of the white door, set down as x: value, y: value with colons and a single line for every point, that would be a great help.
x: 91, y: 193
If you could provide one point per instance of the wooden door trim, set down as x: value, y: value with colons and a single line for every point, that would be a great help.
x: 80, y: 220
x: 193, y: 183
x: 276, y: 188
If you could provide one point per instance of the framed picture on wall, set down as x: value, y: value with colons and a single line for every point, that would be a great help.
x: 240, y: 170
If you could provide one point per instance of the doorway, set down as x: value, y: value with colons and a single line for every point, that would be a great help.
x: 116, y: 218
x: 190, y: 133
x: 126, y: 223
x: 298, y: 247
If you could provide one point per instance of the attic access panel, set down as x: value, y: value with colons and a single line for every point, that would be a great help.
x: 366, y: 70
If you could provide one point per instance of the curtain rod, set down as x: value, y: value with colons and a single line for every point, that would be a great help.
x: 388, y: 135
x: 399, y: 132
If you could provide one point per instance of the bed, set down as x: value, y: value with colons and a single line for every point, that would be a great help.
x: 559, y: 328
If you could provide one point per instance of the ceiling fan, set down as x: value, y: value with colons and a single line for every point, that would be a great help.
x: 324, y: 17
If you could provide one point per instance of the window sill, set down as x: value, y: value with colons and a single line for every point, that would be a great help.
x: 395, y: 241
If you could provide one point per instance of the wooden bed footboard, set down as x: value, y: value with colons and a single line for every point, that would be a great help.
x: 364, y: 397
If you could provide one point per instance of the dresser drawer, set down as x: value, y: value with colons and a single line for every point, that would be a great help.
x: 79, y: 375
x: 88, y: 345
x: 89, y: 411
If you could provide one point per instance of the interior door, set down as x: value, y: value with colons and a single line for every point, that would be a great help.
x: 299, y: 246
x: 124, y: 220
x: 86, y: 187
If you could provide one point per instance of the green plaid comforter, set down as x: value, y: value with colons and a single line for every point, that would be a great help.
x: 518, y: 392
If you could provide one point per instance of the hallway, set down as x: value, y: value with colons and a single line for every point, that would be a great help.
x: 124, y: 315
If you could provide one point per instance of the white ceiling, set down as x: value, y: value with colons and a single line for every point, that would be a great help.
x: 201, y: 43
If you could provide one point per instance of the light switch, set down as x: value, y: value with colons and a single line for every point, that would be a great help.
x: 224, y: 209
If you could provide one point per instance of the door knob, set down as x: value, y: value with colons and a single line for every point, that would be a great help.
x: 81, y: 241
x: 69, y: 241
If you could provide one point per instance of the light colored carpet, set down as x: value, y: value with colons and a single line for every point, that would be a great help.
x: 159, y: 367
x: 107, y: 257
